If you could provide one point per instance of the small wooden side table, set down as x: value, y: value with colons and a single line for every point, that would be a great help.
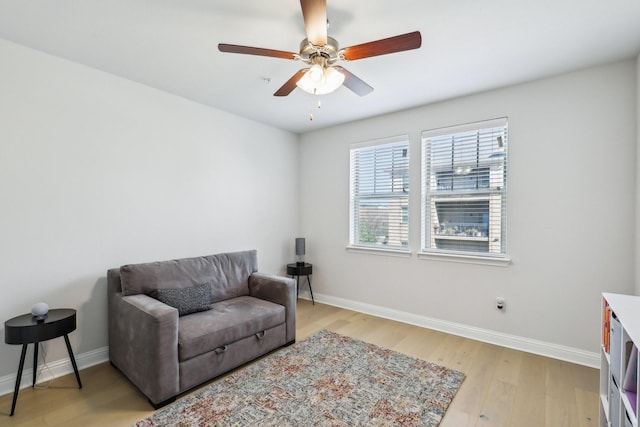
x: 298, y: 270
x: 26, y: 329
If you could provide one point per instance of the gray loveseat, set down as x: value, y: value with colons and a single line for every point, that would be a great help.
x: 176, y: 324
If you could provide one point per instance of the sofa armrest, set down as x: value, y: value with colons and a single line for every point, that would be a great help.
x: 143, y: 341
x: 279, y: 290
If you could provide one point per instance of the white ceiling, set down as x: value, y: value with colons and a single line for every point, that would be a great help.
x: 468, y: 46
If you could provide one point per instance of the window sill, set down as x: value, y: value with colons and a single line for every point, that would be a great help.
x: 467, y: 259
x: 380, y: 251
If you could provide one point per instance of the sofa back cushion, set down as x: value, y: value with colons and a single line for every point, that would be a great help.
x: 228, y: 274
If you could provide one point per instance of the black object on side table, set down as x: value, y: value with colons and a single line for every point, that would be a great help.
x: 298, y: 270
x: 26, y: 329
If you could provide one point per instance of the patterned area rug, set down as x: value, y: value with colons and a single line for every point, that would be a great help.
x: 325, y: 380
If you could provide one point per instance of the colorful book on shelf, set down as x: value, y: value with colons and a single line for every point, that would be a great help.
x: 606, y: 327
x: 604, y: 323
x: 633, y: 401
x: 630, y: 383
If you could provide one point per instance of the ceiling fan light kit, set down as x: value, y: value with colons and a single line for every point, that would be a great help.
x: 321, y: 52
x: 320, y: 79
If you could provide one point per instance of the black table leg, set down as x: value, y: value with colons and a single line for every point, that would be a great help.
x: 310, y: 290
x: 35, y: 363
x: 73, y: 360
x: 17, y: 388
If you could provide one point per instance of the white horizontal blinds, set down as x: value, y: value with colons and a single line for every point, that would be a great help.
x: 464, y: 188
x: 380, y: 193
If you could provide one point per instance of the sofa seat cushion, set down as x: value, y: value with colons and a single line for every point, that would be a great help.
x: 227, y: 321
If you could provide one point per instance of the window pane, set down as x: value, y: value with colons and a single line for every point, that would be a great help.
x: 380, y: 194
x: 383, y: 221
x: 464, y: 191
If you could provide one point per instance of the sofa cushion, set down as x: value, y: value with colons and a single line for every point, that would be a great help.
x: 226, y: 322
x: 228, y: 274
x: 187, y: 300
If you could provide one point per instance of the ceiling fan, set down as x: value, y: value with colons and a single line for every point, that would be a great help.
x: 320, y: 52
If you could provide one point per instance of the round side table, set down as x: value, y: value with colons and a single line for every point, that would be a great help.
x: 298, y: 270
x: 26, y: 329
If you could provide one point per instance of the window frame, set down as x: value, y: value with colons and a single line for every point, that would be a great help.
x: 481, y: 193
x: 404, y: 199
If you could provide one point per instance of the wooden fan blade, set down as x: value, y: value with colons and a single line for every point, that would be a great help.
x: 354, y: 83
x: 382, y: 47
x: 315, y: 20
x: 290, y: 85
x: 248, y: 50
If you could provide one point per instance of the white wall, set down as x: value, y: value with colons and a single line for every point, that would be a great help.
x: 638, y: 175
x: 571, y: 211
x: 97, y: 171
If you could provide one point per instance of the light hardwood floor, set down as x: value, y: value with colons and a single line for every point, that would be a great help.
x: 503, y: 387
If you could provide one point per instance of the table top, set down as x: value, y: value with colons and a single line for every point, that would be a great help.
x: 25, y: 329
x: 295, y: 269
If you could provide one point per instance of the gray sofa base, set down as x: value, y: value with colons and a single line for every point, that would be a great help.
x: 161, y: 404
x: 155, y: 405
x: 213, y: 364
x: 186, y: 391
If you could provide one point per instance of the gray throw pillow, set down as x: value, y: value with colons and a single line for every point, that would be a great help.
x: 187, y: 300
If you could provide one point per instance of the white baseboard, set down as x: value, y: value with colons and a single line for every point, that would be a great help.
x: 542, y: 348
x: 62, y: 367
x: 54, y: 369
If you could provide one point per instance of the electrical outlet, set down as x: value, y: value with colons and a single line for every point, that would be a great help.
x: 500, y: 303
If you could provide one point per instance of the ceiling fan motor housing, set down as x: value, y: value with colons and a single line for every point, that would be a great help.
x: 329, y: 51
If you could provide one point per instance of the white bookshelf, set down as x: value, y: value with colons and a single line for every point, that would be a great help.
x: 619, y: 360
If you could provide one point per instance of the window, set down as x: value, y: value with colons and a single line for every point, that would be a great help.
x: 379, y: 191
x: 464, y: 178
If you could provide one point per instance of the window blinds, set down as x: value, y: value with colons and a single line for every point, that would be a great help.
x: 379, y: 205
x: 464, y: 180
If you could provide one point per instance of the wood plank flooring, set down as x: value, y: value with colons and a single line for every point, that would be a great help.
x: 503, y: 387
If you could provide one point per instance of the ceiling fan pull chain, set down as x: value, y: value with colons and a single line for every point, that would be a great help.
x: 319, y: 105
